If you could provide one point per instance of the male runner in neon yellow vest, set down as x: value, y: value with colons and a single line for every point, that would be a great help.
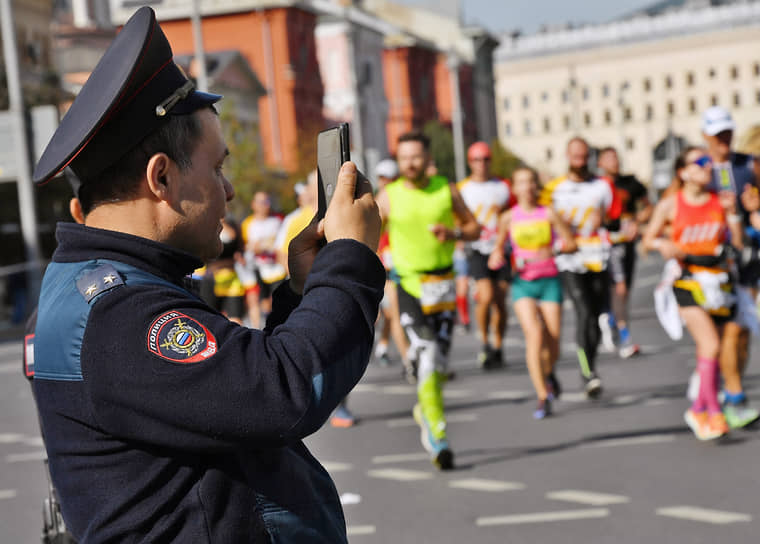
x: 424, y: 217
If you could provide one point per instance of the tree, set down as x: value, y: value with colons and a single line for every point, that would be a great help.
x: 503, y: 161
x: 441, y: 148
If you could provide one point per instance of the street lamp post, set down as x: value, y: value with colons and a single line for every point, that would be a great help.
x: 456, y: 115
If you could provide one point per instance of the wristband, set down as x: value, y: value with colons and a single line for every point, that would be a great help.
x: 457, y: 233
x: 734, y: 218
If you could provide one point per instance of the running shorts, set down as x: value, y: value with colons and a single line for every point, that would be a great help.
x: 542, y: 289
x: 478, y: 266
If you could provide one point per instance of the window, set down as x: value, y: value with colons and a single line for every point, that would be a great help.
x: 714, y: 100
x: 630, y: 144
x: 756, y: 69
x: 711, y: 73
x: 549, y: 153
x: 605, y: 90
x: 506, y: 104
x: 692, y: 105
x: 737, y: 100
x: 566, y: 119
x: 671, y: 108
x: 507, y: 129
x: 627, y: 113
x: 689, y: 78
x: 587, y: 119
x: 526, y: 101
x: 649, y: 112
x: 544, y: 96
x: 585, y: 93
x: 527, y: 127
x: 668, y: 82
x: 565, y: 96
x: 647, y: 85
x: 734, y: 72
x: 757, y: 97
x: 607, y: 117
x: 547, y: 125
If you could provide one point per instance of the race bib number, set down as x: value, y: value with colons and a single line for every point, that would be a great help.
x: 271, y: 272
x: 438, y: 293
x: 593, y: 253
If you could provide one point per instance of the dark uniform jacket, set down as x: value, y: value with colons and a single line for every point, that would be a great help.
x: 165, y: 422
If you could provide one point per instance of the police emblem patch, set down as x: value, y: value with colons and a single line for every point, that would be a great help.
x: 179, y: 338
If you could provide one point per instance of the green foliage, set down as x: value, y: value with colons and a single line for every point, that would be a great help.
x: 441, y: 148
x: 503, y: 161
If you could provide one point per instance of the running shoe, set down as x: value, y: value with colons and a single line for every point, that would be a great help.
x: 484, y: 355
x: 739, y: 415
x: 440, y: 453
x: 628, y: 349
x: 593, y: 386
x: 381, y: 355
x: 704, y: 426
x: 342, y: 417
x: 608, y: 341
x: 543, y: 409
x: 553, y: 386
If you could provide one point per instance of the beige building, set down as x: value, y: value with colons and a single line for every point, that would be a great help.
x: 627, y: 83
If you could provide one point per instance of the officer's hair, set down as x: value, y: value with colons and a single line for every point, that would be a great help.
x: 415, y: 136
x: 177, y: 137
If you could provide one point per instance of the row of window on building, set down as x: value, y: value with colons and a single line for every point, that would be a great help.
x: 586, y: 119
x: 646, y: 85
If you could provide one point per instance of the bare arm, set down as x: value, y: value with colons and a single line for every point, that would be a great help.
x: 469, y: 227
x: 497, y: 259
x: 651, y: 240
x: 565, y: 232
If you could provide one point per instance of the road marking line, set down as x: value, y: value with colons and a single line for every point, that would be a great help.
x: 624, y: 399
x: 478, y: 484
x: 400, y: 474
x: 364, y: 388
x: 655, y: 402
x: 450, y: 418
x: 399, y: 389
x: 456, y: 393
x: 355, y: 530
x: 543, y: 517
x: 632, y: 441
x: 400, y: 458
x: 509, y: 395
x: 694, y: 513
x: 30, y: 456
x: 10, y: 438
x: 576, y: 396
x: 586, y: 497
x: 337, y: 467
x: 7, y: 493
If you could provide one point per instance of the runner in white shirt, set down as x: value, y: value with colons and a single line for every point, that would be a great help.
x: 582, y: 200
x: 487, y: 197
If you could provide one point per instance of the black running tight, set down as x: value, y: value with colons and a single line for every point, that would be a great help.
x: 589, y: 292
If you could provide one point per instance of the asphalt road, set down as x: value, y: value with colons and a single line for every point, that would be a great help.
x: 623, y: 469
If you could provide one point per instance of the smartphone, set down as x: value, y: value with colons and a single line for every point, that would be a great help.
x: 333, y: 149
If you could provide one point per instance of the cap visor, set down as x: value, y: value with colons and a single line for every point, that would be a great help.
x: 717, y: 128
x: 195, y: 101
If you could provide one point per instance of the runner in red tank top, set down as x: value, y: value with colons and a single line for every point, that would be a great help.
x: 700, y: 222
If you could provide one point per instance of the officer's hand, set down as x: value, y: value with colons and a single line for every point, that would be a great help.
x: 302, y: 251
x: 349, y: 216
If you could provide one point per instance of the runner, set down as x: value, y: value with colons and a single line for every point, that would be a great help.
x: 700, y: 224
x: 536, y: 288
x: 221, y: 287
x: 424, y: 217
x: 582, y: 200
x: 296, y: 221
x: 738, y: 174
x: 635, y: 212
x: 486, y: 197
x: 262, y: 271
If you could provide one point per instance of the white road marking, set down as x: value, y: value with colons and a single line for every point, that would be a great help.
x: 450, y: 418
x: 356, y: 530
x: 655, y: 402
x: 694, y: 513
x: 586, y: 497
x: 10, y: 438
x: 7, y: 493
x: 509, y: 395
x: 399, y: 458
x: 400, y: 474
x: 364, y: 388
x: 543, y: 517
x: 492, y: 486
x: 350, y: 498
x: 399, y: 389
x: 573, y: 396
x: 337, y: 467
x: 456, y: 393
x: 30, y: 456
x: 632, y: 441
x: 624, y: 399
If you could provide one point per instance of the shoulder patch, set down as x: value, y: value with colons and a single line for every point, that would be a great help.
x: 98, y: 280
x: 179, y: 338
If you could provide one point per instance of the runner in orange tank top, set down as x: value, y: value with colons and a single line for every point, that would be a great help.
x: 700, y: 224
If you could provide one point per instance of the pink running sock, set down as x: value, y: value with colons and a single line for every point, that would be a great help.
x: 708, y: 380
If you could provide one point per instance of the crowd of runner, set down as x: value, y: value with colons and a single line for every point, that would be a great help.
x: 448, y: 247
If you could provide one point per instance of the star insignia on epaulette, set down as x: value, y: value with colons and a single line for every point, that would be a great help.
x: 109, y: 278
x: 91, y: 289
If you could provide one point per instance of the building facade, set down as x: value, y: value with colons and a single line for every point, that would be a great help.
x: 628, y: 83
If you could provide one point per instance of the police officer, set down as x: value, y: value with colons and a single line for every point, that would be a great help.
x: 164, y: 421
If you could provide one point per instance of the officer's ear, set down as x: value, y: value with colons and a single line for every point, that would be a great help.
x: 158, y: 176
